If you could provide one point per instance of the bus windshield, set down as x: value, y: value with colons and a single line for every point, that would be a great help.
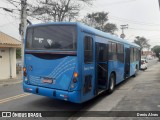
x: 53, y: 37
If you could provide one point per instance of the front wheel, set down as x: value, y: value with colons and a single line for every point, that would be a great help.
x: 111, y: 83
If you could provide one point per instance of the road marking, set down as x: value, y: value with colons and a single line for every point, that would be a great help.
x: 13, y: 97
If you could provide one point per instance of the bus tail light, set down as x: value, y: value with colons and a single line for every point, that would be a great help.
x: 24, y: 71
x: 75, y: 75
x: 74, y: 80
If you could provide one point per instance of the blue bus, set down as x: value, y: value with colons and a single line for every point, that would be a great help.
x: 74, y: 62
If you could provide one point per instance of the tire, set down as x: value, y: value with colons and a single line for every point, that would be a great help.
x: 112, y: 80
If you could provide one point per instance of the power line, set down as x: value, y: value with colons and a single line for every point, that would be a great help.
x: 12, y: 2
x: 121, y: 2
x: 125, y: 20
x: 142, y: 29
x: 132, y: 21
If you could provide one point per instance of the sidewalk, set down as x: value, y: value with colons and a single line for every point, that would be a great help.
x: 137, y: 94
x: 6, y: 82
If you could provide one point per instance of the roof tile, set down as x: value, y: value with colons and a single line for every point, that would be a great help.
x: 8, y: 40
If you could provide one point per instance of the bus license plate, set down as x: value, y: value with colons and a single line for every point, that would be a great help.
x: 47, y: 80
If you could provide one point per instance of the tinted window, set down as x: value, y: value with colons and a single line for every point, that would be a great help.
x: 132, y: 55
x: 88, y: 49
x: 120, y: 52
x: 57, y: 37
x: 112, y: 51
x: 137, y: 52
x: 102, y: 52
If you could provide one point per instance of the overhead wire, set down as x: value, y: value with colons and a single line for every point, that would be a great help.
x: 133, y: 22
x: 120, y: 2
x: 12, y: 2
x: 142, y: 29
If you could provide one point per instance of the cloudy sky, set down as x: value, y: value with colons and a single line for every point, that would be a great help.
x: 142, y: 16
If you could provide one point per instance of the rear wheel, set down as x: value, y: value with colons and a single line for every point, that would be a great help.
x: 112, y: 83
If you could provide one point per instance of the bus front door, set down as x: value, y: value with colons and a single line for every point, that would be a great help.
x: 101, y: 67
x: 127, y: 63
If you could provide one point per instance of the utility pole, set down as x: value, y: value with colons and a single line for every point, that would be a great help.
x: 23, y: 24
x: 123, y: 27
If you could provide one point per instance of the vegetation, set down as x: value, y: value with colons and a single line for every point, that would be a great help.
x: 99, y: 20
x: 18, y: 53
x: 57, y: 10
x: 142, y: 42
x: 156, y: 49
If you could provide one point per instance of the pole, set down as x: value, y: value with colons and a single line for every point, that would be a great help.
x: 23, y: 25
x: 10, y: 63
x: 123, y: 27
x: 159, y: 3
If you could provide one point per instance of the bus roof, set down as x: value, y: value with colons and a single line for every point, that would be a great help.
x: 90, y: 30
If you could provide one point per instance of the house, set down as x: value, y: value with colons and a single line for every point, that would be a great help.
x: 8, y: 47
x: 148, y: 54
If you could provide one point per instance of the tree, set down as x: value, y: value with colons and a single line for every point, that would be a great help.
x: 18, y: 53
x: 142, y: 42
x: 57, y: 10
x: 99, y: 20
x: 110, y: 27
x: 156, y: 49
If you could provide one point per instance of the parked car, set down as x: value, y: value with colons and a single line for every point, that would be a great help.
x: 144, y: 64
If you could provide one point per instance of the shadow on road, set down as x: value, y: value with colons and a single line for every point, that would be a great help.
x: 49, y: 104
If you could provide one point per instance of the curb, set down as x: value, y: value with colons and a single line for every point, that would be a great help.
x: 7, y: 84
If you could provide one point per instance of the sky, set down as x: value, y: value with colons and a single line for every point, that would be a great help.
x: 142, y: 17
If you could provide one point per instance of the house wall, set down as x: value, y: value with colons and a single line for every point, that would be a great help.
x: 7, y: 63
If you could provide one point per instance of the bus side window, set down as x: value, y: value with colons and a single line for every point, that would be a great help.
x: 132, y: 55
x: 114, y: 51
x: 110, y: 50
x: 138, y: 52
x: 88, y: 49
x: 120, y: 52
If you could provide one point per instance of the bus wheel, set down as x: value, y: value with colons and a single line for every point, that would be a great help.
x: 112, y: 80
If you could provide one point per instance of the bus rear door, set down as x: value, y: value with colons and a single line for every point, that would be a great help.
x: 101, y: 65
x: 127, y: 63
x: 88, y: 67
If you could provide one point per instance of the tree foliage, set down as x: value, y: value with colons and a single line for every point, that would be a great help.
x: 110, y: 27
x: 142, y: 42
x: 99, y: 20
x: 156, y: 49
x: 57, y: 10
x: 18, y: 53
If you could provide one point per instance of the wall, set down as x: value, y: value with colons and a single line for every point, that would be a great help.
x: 5, y: 63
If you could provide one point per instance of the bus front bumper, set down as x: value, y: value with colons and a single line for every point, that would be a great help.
x: 73, y: 96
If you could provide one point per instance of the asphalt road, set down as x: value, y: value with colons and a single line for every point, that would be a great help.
x: 13, y: 98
